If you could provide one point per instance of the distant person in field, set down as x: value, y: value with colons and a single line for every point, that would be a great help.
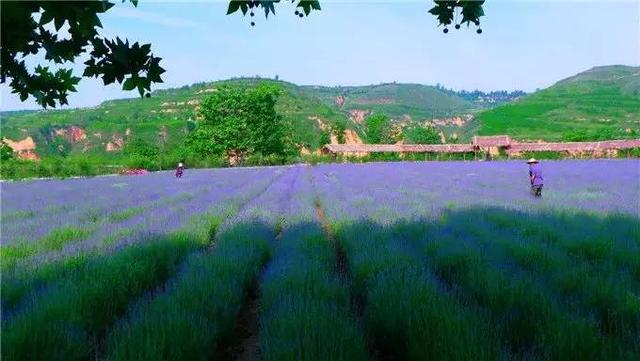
x: 179, y: 170
x: 535, y: 175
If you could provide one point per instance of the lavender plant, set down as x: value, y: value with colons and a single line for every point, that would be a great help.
x: 305, y: 305
x: 442, y: 261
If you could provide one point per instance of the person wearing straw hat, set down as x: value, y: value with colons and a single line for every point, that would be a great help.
x: 179, y: 170
x: 535, y: 175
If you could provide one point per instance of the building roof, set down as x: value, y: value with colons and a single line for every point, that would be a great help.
x: 574, y: 146
x: 398, y: 148
x: 462, y: 148
x: 492, y: 141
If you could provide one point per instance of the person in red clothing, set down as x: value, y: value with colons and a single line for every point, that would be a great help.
x: 179, y: 170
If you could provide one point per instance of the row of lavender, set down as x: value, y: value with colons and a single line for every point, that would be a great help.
x: 400, y: 190
x: 447, y: 275
x: 406, y: 267
x: 60, y: 305
x: 275, y: 242
x: 108, y: 308
x: 213, y: 196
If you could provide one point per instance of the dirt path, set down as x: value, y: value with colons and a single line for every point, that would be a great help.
x: 358, y: 300
x: 244, y: 345
x: 341, y: 256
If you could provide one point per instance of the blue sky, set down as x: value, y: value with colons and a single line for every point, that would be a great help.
x: 524, y: 44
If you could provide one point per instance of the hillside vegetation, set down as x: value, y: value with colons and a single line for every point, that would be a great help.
x: 601, y: 103
x: 163, y: 119
x: 169, y: 115
x: 397, y: 100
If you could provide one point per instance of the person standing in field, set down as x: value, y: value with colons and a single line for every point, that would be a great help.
x: 179, y: 170
x: 535, y: 175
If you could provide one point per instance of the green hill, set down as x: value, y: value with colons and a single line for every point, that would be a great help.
x: 162, y: 118
x: 601, y: 103
x: 396, y: 100
x: 166, y: 116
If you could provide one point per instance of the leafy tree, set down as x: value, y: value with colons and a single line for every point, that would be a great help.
x: 377, y: 128
x: 420, y: 134
x: 59, y: 145
x: 6, y: 152
x: 36, y: 28
x: 239, y: 121
x: 338, y: 128
x: 140, y: 147
x: 141, y: 154
x: 325, y: 138
x: 446, y: 11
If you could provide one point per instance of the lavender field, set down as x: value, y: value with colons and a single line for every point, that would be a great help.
x: 378, y: 261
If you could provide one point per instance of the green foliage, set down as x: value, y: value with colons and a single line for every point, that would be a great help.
x: 141, y: 162
x: 125, y: 214
x: 6, y: 152
x: 396, y: 100
x: 421, y: 134
x: 140, y: 147
x: 308, y: 110
x: 102, y: 289
x: 72, y: 165
x: 240, y: 121
x: 19, y: 281
x: 338, y: 128
x: 268, y: 6
x: 584, y: 135
x: 133, y: 66
x: 54, y: 241
x: 634, y: 153
x: 60, y: 146
x: 594, y: 105
x: 191, y: 304
x: 304, y: 293
x: 258, y: 159
x: 114, y: 60
x: 141, y: 154
x: 314, y: 159
x: 325, y: 137
x: 378, y: 129
x: 444, y: 10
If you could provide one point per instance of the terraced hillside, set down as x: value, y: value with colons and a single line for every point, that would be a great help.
x: 397, y: 100
x: 163, y: 119
x: 167, y: 115
x: 601, y: 103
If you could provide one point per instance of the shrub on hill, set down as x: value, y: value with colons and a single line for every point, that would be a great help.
x: 419, y: 134
x: 378, y: 129
x: 6, y: 153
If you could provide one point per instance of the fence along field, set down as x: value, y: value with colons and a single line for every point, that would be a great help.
x: 442, y: 261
